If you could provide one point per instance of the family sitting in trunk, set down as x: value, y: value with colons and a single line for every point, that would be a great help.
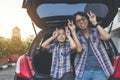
x: 91, y: 61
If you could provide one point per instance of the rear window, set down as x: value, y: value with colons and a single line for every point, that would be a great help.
x: 48, y: 10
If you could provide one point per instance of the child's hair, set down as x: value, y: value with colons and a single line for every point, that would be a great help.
x: 61, y: 28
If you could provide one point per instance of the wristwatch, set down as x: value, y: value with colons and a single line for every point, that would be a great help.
x: 96, y: 24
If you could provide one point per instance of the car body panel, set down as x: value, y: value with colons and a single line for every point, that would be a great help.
x: 24, y: 67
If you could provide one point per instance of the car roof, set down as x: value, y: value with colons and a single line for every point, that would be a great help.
x: 58, y: 20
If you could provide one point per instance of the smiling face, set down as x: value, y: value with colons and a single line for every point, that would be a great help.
x: 81, y: 22
x: 61, y: 37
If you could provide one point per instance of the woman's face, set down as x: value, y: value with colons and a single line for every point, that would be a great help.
x: 81, y: 22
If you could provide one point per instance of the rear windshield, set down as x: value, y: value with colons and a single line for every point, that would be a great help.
x: 48, y: 10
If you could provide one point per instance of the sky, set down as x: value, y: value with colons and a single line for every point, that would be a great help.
x: 11, y: 15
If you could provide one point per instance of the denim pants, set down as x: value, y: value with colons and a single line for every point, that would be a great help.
x: 93, y: 75
x: 66, y: 76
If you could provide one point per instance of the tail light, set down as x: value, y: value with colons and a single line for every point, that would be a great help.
x: 24, y: 67
x: 117, y: 67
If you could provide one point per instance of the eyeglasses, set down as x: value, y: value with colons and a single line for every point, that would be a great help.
x: 82, y: 19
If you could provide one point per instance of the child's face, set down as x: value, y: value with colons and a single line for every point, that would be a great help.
x: 61, y: 36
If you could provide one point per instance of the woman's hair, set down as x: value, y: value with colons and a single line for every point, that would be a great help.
x: 81, y: 14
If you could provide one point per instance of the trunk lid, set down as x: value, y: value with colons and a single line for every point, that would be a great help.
x: 46, y: 13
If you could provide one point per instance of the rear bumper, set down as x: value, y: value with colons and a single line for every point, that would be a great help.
x: 20, y: 78
x: 34, y: 78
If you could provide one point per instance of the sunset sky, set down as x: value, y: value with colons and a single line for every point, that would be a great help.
x: 12, y: 14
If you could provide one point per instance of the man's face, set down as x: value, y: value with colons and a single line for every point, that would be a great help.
x: 61, y: 37
x: 81, y: 22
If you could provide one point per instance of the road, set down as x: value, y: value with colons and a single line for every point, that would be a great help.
x: 7, y: 74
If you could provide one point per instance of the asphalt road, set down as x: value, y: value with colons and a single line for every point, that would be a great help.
x: 7, y: 74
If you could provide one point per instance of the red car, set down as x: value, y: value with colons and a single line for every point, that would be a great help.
x: 47, y: 15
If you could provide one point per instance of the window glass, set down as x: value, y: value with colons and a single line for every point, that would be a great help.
x: 48, y: 10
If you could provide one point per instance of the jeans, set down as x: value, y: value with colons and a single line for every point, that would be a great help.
x: 66, y: 76
x: 93, y: 75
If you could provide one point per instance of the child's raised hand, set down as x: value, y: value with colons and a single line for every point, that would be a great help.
x: 55, y: 33
x: 67, y: 31
x: 71, y: 25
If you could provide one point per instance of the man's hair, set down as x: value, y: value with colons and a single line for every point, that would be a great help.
x: 81, y: 14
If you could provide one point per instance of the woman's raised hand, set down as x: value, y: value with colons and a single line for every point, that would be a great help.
x: 92, y: 18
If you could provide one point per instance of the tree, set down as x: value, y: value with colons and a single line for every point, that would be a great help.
x: 3, y: 47
x: 16, y: 43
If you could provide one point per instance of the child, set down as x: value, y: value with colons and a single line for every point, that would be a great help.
x: 61, y: 49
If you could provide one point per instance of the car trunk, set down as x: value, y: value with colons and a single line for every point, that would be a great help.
x: 41, y: 58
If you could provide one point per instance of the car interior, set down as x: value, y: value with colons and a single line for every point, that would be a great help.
x: 41, y: 57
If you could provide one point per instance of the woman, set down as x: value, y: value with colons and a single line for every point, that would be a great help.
x: 93, y: 62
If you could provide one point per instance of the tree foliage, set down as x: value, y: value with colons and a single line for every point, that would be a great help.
x: 14, y: 45
x: 4, y: 43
